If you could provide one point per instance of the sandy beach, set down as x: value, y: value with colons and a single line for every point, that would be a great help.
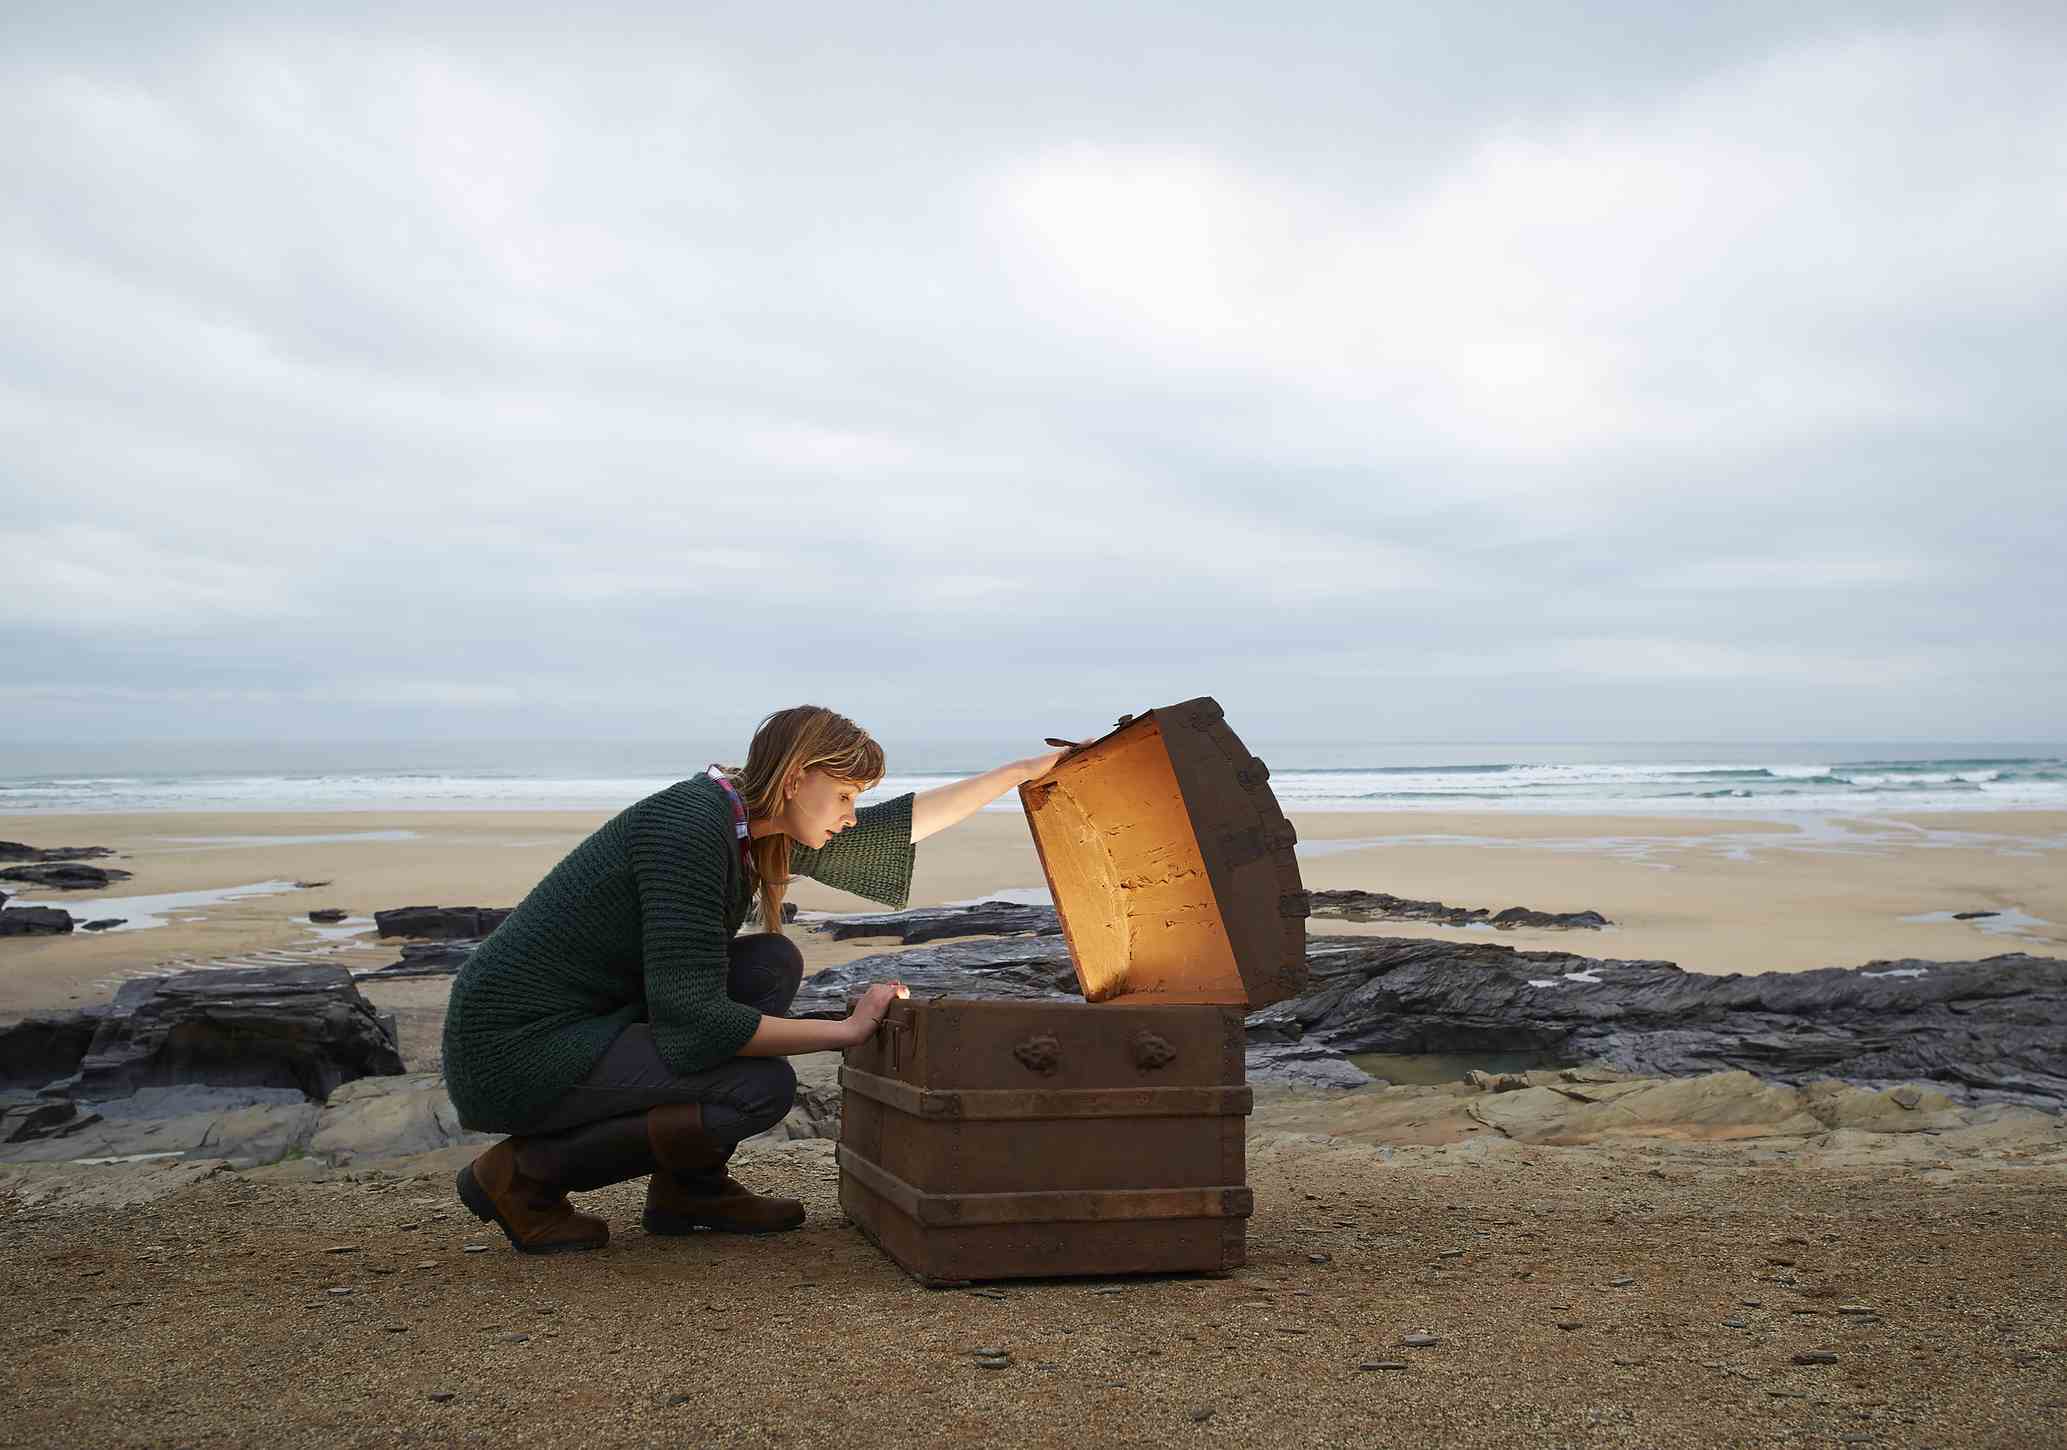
x: 1714, y: 1269
x: 1713, y: 895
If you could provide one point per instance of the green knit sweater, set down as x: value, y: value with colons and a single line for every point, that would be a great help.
x: 633, y: 926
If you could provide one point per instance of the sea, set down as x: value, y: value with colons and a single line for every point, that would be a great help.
x: 1680, y: 779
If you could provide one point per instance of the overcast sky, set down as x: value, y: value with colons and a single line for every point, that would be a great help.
x: 1575, y: 372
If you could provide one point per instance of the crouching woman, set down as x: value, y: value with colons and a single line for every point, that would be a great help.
x: 616, y: 1025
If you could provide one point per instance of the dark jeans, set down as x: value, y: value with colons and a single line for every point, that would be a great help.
x: 740, y: 1097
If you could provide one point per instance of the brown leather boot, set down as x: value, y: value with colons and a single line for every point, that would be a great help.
x: 536, y: 1216
x: 690, y: 1188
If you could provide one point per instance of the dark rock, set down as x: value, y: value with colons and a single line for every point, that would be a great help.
x: 33, y: 1117
x: 1973, y: 915
x: 309, y: 885
x: 46, y: 1046
x: 1994, y: 1029
x: 65, y: 875
x: 1382, y: 906
x: 1516, y: 916
x: 1816, y: 1356
x: 16, y: 851
x: 1303, y: 1065
x: 425, y: 959
x: 931, y: 923
x: 301, y: 1026
x: 440, y: 923
x: 327, y: 914
x: 104, y: 923
x: 35, y: 921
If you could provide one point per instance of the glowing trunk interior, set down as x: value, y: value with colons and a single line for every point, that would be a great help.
x: 1130, y: 883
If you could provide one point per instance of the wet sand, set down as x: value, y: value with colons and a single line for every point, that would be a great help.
x: 1715, y: 896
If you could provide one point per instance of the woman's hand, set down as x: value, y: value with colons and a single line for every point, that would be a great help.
x: 861, y: 1022
x: 1037, y: 766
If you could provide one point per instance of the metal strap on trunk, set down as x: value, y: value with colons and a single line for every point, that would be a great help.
x: 1082, y: 1205
x: 1004, y: 1104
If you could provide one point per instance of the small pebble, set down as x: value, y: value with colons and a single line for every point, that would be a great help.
x: 989, y: 1353
x: 1622, y: 1283
x: 1752, y: 1303
x: 1001, y: 1362
x: 427, y: 1264
x: 341, y: 1249
x: 1319, y: 1259
x: 1111, y: 1289
x: 1735, y: 1324
x: 1857, y: 1309
x: 1816, y: 1356
x: 1419, y: 1341
x: 474, y: 1249
x: 398, y: 1329
x: 516, y: 1339
x: 674, y: 1400
x: 1571, y: 1324
x: 440, y: 1397
x: 340, y: 1293
x: 1451, y: 1254
x: 1371, y: 1364
x: 990, y: 1294
x: 1202, y: 1414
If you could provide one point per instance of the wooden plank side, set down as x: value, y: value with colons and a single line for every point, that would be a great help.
x: 999, y: 1104
x: 947, y: 1210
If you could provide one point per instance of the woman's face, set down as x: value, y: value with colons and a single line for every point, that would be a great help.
x: 822, y: 807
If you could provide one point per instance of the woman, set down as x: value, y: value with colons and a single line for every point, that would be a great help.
x: 615, y: 1025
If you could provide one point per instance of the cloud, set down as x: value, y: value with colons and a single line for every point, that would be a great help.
x: 363, y: 368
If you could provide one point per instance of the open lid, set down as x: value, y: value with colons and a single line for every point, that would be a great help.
x: 1171, y: 864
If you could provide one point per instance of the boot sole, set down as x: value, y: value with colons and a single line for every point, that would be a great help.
x: 476, y: 1198
x: 672, y: 1227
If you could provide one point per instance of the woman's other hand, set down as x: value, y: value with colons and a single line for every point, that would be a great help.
x: 861, y: 1022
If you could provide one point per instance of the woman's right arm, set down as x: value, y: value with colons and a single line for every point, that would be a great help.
x: 786, y: 1036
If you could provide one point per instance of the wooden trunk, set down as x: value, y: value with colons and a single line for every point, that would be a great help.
x: 985, y: 1140
x: 1000, y: 1139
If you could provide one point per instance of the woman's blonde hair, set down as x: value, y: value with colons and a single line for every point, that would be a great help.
x: 785, y: 745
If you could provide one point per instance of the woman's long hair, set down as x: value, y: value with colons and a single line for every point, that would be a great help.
x: 786, y: 744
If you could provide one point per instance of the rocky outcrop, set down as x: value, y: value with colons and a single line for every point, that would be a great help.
x: 16, y: 851
x: 304, y: 1027
x: 35, y: 921
x: 1381, y: 906
x: 327, y: 915
x: 65, y: 876
x: 440, y: 923
x: 106, y: 923
x: 932, y: 923
x: 1993, y: 1029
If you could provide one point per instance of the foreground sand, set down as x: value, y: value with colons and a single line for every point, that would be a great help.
x: 1713, y: 896
x: 214, y: 1315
